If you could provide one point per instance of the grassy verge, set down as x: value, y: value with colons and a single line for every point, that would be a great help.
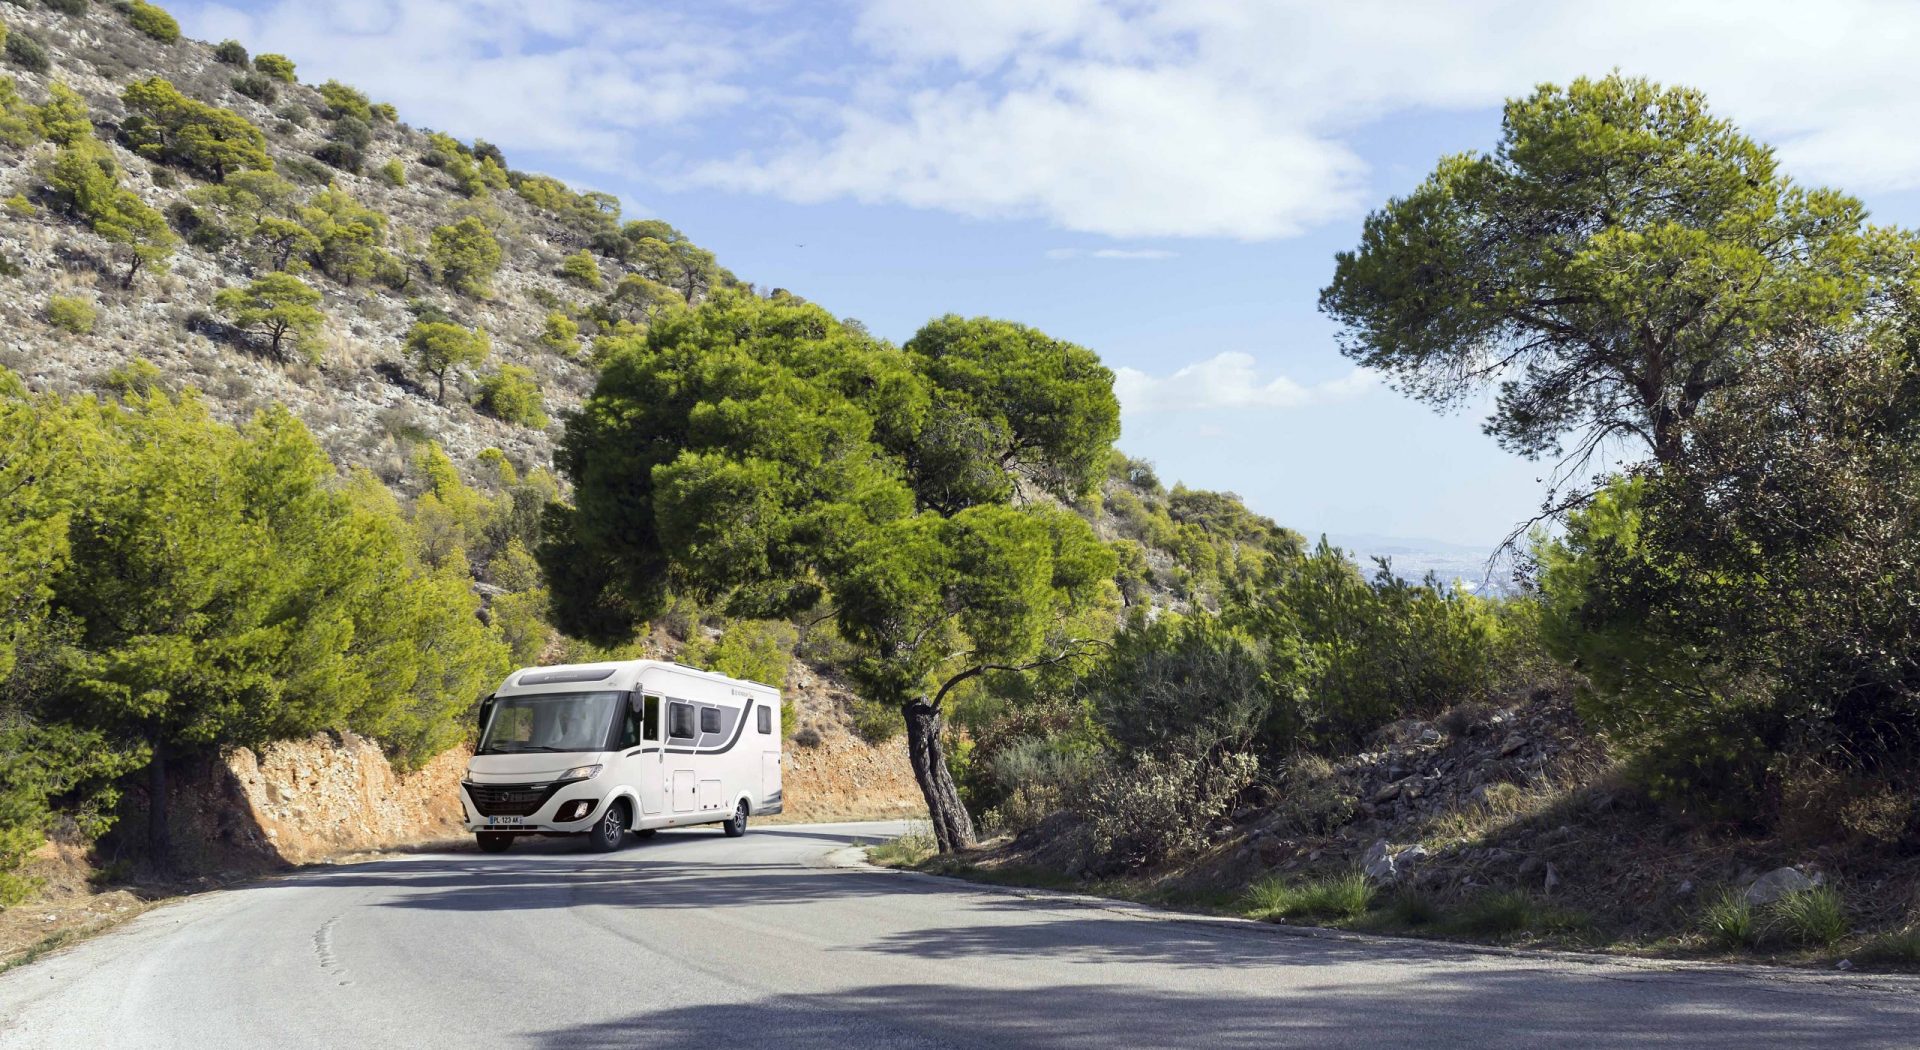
x: 1809, y: 928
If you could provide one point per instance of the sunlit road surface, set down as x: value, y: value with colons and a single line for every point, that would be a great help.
x: 700, y: 941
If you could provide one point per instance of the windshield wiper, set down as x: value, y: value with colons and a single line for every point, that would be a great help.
x: 524, y: 747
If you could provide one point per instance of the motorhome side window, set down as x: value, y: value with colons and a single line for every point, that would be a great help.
x: 680, y: 720
x: 709, y: 720
x: 651, y: 718
x: 766, y: 720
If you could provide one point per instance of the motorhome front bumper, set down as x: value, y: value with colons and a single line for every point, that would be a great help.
x: 531, y: 807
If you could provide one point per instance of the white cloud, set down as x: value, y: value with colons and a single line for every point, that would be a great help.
x: 1123, y: 254
x: 1196, y: 118
x: 1123, y: 118
x: 583, y: 77
x: 1227, y: 381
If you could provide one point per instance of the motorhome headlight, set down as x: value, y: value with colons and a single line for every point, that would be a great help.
x: 581, y: 773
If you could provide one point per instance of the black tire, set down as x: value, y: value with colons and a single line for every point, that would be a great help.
x: 738, y: 825
x: 493, y: 841
x: 609, y: 833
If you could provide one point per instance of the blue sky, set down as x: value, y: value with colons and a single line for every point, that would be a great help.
x: 1165, y: 181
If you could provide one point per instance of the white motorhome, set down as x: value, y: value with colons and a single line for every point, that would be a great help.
x: 603, y: 749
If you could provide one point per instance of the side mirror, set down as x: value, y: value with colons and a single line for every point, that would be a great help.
x: 486, y: 709
x: 636, y: 703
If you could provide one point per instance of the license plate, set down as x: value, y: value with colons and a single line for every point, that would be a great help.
x: 505, y: 820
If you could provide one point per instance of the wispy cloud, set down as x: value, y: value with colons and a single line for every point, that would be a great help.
x: 1121, y: 254
x: 1228, y: 381
x: 1122, y: 118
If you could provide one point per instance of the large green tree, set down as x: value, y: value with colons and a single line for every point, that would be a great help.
x: 210, y: 586
x: 758, y: 453
x: 1621, y: 256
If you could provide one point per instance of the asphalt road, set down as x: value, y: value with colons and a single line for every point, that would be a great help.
x: 700, y: 941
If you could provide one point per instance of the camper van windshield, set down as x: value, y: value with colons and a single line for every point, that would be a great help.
x: 550, y: 722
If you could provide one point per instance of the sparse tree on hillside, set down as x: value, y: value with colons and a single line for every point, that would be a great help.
x: 1617, y: 260
x: 756, y: 452
x: 439, y: 349
x: 86, y: 178
x: 170, y: 127
x: 466, y: 255
x: 280, y: 305
x: 64, y: 119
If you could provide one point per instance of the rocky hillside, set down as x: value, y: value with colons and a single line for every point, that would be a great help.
x: 360, y: 393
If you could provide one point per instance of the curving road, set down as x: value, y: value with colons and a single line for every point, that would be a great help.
x: 699, y: 941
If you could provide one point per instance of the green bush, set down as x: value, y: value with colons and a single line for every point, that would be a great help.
x: 384, y: 111
x: 20, y: 121
x: 279, y: 67
x: 153, y: 21
x: 64, y: 118
x: 1037, y: 777
x: 231, y: 52
x: 465, y: 255
x: 1190, y: 683
x: 1345, y: 896
x: 26, y: 51
x: 1901, y: 949
x: 581, y: 269
x: 393, y: 173
x: 257, y: 86
x: 68, y: 7
x: 1150, y: 808
x: 512, y: 394
x: 19, y: 206
x: 344, y: 101
x: 71, y: 313
x: 560, y: 334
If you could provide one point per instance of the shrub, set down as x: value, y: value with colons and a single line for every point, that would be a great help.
x: 20, y: 123
x: 1312, y: 801
x: 153, y: 21
x: 394, y: 173
x: 1149, y: 808
x: 384, y: 111
x: 1345, y: 896
x: 1191, y: 683
x: 343, y: 101
x: 1728, y: 920
x: 19, y: 206
x: 87, y: 181
x: 1812, y: 918
x: 511, y: 394
x: 580, y: 268
x: 26, y: 51
x: 68, y: 7
x: 1037, y: 777
x: 258, y: 87
x: 560, y: 334
x: 341, y: 155
x: 279, y: 67
x: 465, y: 254
x: 71, y: 313
x: 231, y: 52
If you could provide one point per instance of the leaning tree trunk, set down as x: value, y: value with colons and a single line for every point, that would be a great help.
x: 159, y: 834
x: 952, y: 827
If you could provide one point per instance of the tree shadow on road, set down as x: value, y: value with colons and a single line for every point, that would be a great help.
x: 1484, y: 1010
